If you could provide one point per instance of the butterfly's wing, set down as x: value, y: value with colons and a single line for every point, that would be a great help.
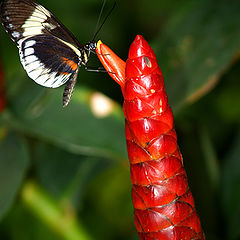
x: 48, y: 51
x: 47, y: 60
x: 68, y: 90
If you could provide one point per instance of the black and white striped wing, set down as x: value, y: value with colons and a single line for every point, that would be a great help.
x: 47, y: 60
x: 48, y: 51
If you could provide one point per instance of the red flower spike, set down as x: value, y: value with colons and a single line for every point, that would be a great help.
x: 143, y: 86
x: 164, y: 205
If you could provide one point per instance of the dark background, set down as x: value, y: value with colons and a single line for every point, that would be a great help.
x: 64, y: 173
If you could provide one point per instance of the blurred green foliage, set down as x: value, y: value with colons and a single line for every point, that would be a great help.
x: 64, y: 172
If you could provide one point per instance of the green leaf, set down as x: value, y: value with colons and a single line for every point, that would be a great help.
x: 210, y: 158
x: 75, y: 128
x: 231, y: 190
x: 17, y: 229
x: 197, y: 45
x: 14, y: 160
x: 60, y: 220
x: 109, y: 199
x: 226, y: 103
x: 66, y: 175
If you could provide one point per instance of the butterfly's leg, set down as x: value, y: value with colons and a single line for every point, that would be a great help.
x: 94, y: 69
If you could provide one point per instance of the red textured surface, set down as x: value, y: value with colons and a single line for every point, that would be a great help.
x: 163, y: 204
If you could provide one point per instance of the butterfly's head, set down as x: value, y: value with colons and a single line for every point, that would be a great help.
x: 90, y: 47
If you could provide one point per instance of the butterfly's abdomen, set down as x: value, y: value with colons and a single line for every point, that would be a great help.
x: 163, y: 203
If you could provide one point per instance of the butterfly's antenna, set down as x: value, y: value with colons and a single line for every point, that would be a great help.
x: 99, y: 17
x: 97, y: 29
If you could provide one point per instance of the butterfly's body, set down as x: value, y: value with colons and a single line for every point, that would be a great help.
x: 49, y: 53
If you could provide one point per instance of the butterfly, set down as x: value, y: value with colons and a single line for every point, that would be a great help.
x: 48, y: 51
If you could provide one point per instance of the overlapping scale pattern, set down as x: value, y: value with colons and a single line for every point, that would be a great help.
x: 163, y: 203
